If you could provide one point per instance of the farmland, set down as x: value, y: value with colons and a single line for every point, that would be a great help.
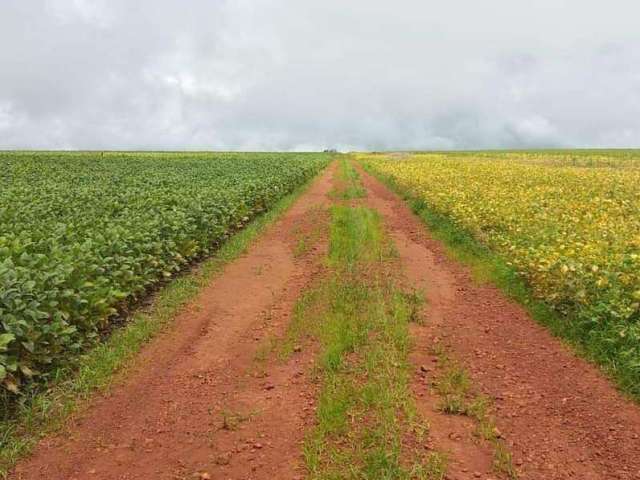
x: 567, y: 222
x: 82, y: 235
x: 377, y: 321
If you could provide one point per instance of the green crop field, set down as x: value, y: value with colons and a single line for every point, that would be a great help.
x: 84, y: 234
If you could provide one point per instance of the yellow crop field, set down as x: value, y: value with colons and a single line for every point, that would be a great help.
x: 568, y: 223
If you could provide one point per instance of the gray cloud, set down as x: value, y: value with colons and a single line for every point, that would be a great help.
x: 287, y: 75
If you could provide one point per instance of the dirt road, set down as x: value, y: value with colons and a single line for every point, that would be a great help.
x: 204, y: 401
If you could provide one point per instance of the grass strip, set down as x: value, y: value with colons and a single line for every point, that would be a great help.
x: 47, y: 411
x: 367, y: 424
x: 349, y: 185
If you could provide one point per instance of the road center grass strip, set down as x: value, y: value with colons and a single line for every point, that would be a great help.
x: 349, y: 186
x: 46, y: 411
x: 367, y: 425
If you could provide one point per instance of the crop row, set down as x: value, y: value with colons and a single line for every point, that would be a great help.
x: 573, y: 233
x: 82, y: 234
x: 615, y: 159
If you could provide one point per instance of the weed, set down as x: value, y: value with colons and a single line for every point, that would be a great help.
x: 415, y: 300
x: 453, y: 404
x: 434, y: 467
x: 503, y: 462
x: 231, y: 420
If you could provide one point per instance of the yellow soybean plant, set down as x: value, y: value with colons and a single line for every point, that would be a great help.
x: 568, y: 222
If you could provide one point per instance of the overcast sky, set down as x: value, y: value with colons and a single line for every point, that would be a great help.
x: 302, y: 74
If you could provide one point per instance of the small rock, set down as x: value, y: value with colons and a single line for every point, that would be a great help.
x: 297, y: 348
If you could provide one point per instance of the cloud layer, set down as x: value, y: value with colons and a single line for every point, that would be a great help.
x: 303, y: 74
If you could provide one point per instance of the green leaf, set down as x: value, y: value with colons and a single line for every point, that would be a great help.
x: 5, y: 340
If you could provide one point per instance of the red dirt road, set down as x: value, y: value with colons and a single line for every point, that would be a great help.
x: 201, y: 402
